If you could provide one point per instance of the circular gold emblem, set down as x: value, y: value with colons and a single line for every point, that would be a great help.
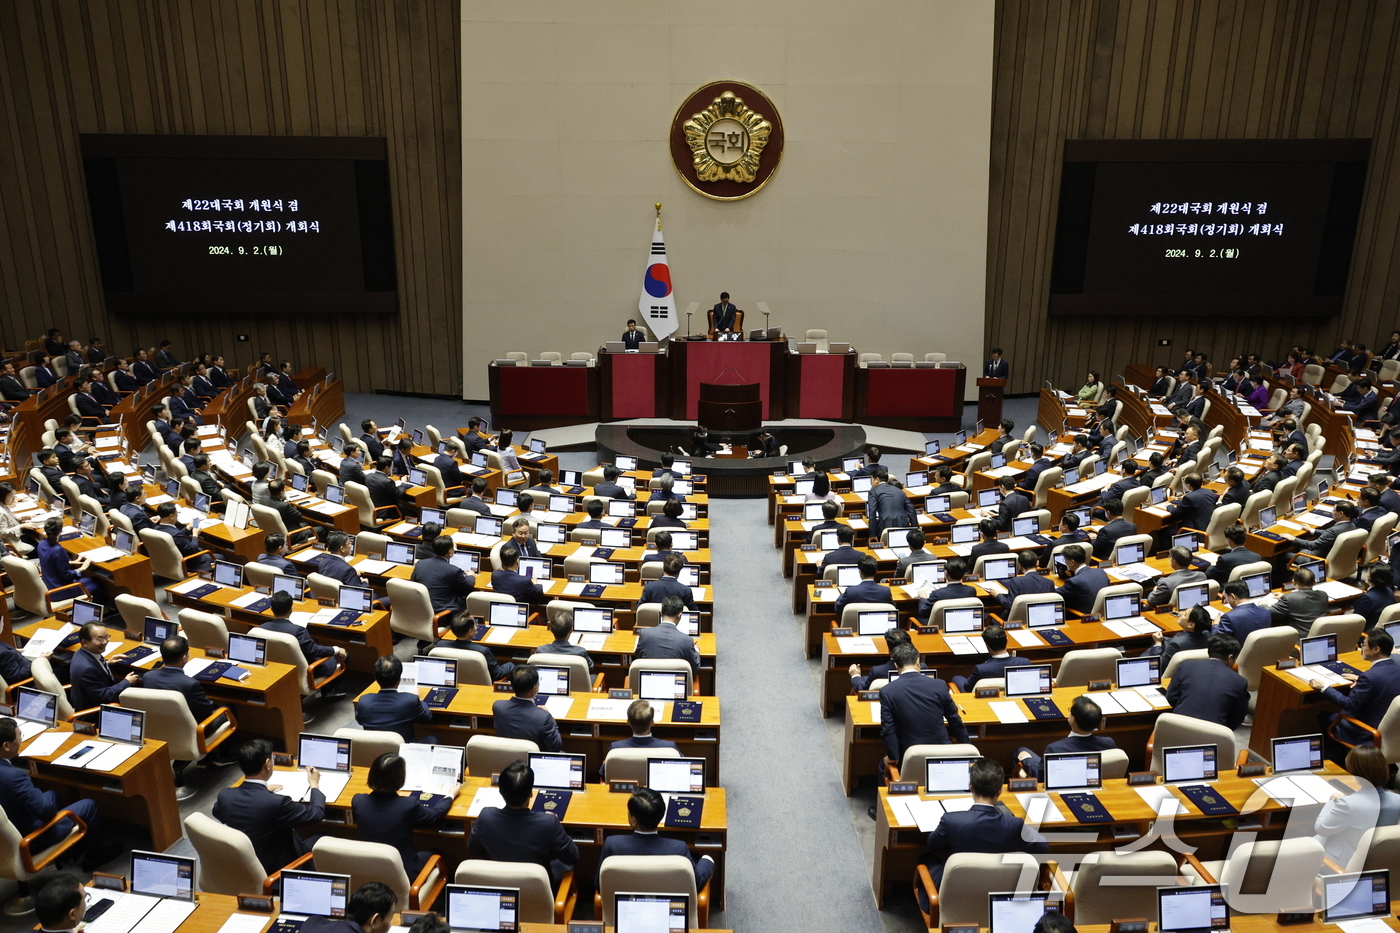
x: 726, y: 140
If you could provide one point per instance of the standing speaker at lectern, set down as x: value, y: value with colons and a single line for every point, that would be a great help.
x: 724, y: 317
x: 996, y: 368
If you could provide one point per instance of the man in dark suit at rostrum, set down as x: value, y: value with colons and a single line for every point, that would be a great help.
x: 448, y: 585
x: 388, y: 710
x: 1085, y: 717
x: 1208, y: 688
x: 1084, y: 582
x: 281, y: 606
x: 1367, y: 701
x: 998, y: 660
x: 867, y: 590
x: 1237, y: 556
x: 1117, y: 527
x: 668, y: 585
x: 631, y: 337
x: 512, y: 583
x: 464, y: 633
x: 955, y: 569
x: 915, y: 709
x: 982, y: 828
x: 1194, y: 509
x: 640, y: 716
x: 996, y: 367
x: 518, y: 717
x: 515, y: 833
x: 1028, y: 582
x: 92, y: 682
x: 845, y: 552
x: 268, y: 819
x: 644, y: 813
x: 724, y: 314
x: 1242, y: 618
x: 665, y: 641
x: 609, y: 487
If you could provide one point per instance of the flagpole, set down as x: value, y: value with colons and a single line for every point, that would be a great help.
x: 658, y: 216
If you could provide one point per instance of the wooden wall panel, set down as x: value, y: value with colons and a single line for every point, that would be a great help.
x: 1181, y: 69
x: 258, y: 67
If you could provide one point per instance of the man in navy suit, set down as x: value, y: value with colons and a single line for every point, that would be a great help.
x: 665, y: 640
x: 512, y: 583
x: 1039, y: 464
x: 1129, y: 469
x: 998, y: 660
x: 464, y: 632
x: 657, y: 590
x: 383, y: 491
x: 1237, y: 556
x: 516, y: 833
x: 1085, y: 718
x: 1370, y: 507
x: 1069, y: 534
x: 1028, y: 583
x: 369, y: 910
x: 724, y: 314
x: 640, y: 716
x: 915, y: 709
x: 141, y: 367
x: 135, y: 509
x: 1083, y: 583
x: 886, y: 506
x: 448, y: 585
x: 845, y: 553
x: 561, y: 626
x: 894, y: 637
x: 1013, y: 503
x: 1301, y: 607
x: 1372, y: 603
x: 645, y: 811
x: 333, y: 563
x: 1345, y: 512
x: 1208, y: 688
x: 14, y: 666
x: 1367, y: 701
x: 956, y: 569
x: 385, y: 817
x: 1365, y: 405
x: 989, y: 543
x: 29, y: 808
x: 609, y: 486
x: 996, y: 368
x: 275, y: 553
x: 474, y: 502
x: 281, y: 606
x: 174, y: 655
x: 388, y: 710
x: 268, y: 819
x: 1193, y: 510
x: 982, y: 828
x: 631, y: 337
x: 370, y: 439
x: 519, y: 718
x: 1243, y: 617
x: 867, y: 590
x: 92, y: 682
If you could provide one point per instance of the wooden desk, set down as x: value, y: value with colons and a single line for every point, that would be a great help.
x: 130, y: 574
x: 1287, y: 706
x: 133, y: 411
x: 325, y: 405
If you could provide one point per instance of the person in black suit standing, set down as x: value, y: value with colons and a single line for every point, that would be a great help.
x: 516, y: 833
x: 645, y: 811
x: 1085, y: 717
x: 1237, y: 556
x: 1209, y: 688
x: 383, y: 816
x: 512, y: 583
x: 448, y: 585
x: 982, y: 828
x: 1194, y: 509
x: 517, y: 717
x: 996, y: 367
x: 724, y: 313
x: 916, y: 710
x: 631, y: 337
x: 268, y: 819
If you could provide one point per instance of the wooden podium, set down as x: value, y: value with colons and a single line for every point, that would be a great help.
x: 989, y: 396
x: 727, y: 409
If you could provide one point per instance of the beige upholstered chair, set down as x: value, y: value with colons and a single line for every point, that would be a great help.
x: 961, y: 897
x: 168, y: 718
x: 1094, y: 899
x: 489, y: 754
x: 659, y: 874
x: 378, y: 861
x: 1173, y: 729
x: 227, y: 862
x: 471, y: 665
x: 538, y: 902
x: 204, y: 629
x: 630, y: 764
x: 368, y: 744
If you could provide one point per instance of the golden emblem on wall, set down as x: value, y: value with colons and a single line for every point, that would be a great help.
x: 726, y: 140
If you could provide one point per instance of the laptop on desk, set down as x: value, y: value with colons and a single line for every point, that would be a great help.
x: 1138, y: 672
x: 557, y: 770
x: 1028, y: 680
x: 35, y: 710
x: 1017, y: 912
x: 1297, y: 753
x: 1356, y: 895
x: 1199, y: 908
x: 554, y: 681
x: 310, y: 894
x: 876, y: 621
x: 1190, y: 595
x: 156, y: 874
x: 651, y: 913
x: 1073, y: 771
x: 1189, y: 763
x: 121, y: 724
x: 948, y: 775
x: 1045, y: 615
x: 439, y: 675
x: 480, y: 909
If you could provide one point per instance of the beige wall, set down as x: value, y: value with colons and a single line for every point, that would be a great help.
x: 874, y: 227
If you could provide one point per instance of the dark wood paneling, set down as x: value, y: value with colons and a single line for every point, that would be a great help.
x: 1180, y: 69
x: 237, y: 67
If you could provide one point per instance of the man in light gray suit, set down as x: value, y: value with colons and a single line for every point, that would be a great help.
x: 665, y: 641
x: 1345, y: 512
x: 1302, y: 606
x: 1182, y: 572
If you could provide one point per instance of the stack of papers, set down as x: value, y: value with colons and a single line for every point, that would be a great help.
x: 96, y: 755
x: 1026, y: 638
x: 965, y: 644
x: 1107, y: 704
x: 46, y: 743
x: 46, y: 640
x: 926, y: 814
x: 1040, y: 809
x: 1131, y: 701
x: 1138, y: 573
x: 1336, y: 589
x: 499, y: 635
x: 370, y: 565
x: 485, y: 797
x: 1297, y: 789
x: 559, y: 707
x: 1160, y: 798
x: 993, y: 587
x: 591, y: 641
x: 294, y: 784
x: 247, y: 599
x: 105, y: 553
x: 1127, y: 628
x: 126, y: 911
x: 1310, y: 672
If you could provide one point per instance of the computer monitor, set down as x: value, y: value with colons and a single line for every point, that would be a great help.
x: 861, y: 485
x: 875, y: 621
x: 85, y: 611
x: 795, y: 468
x: 557, y: 770
x: 314, y: 893
x: 851, y: 464
x: 1198, y: 908
x: 561, y: 503
x: 681, y: 466
x: 1318, y: 649
x: 961, y: 620
x: 478, y: 909
x: 827, y: 541
x: 625, y: 464
x: 1045, y: 615
x: 554, y: 681
x: 1187, y: 540
x: 228, y: 573
x: 621, y: 508
x: 987, y: 498
x: 938, y: 503
x: 617, y: 537
x: 1125, y: 554
x: 689, y: 623
x: 488, y: 526
x: 593, y: 620
x: 247, y: 649
x: 124, y: 541
x: 333, y: 494
x: 999, y: 568
x: 289, y: 583
x: 682, y: 487
x: 931, y: 448
x: 948, y: 775
x: 1258, y: 583
x: 433, y: 516
x: 651, y: 913
x: 1138, y: 672
x: 1073, y: 770
x: 436, y: 672
x: 802, y: 487
x: 929, y: 571
x: 1017, y: 912
x: 537, y: 446
x: 966, y: 533
x: 676, y: 775
x: 847, y: 575
x: 812, y: 511
x: 201, y: 503
x: 355, y: 598
x: 960, y: 438
x: 661, y: 685
x: 551, y: 533
x: 1297, y: 753
x: 1124, y: 606
x: 121, y: 724
x: 685, y: 541
x: 1029, y: 525
x: 1028, y: 680
x: 466, y: 561
x: 571, y: 477
x: 507, y: 497
x: 511, y: 615
x: 157, y: 630
x: 325, y: 752
x: 998, y: 461
x: 158, y: 875
x: 396, y: 552
x: 36, y: 706
x: 605, y: 573
x: 1192, y: 594
x: 1084, y: 515
x: 1356, y: 895
x: 299, y: 480
x: 1158, y: 495
x: 537, y: 568
x: 172, y: 488
x: 898, y: 537
x: 915, y: 478
x: 1189, y: 763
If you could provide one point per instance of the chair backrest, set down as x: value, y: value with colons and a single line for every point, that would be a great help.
x: 89, y: 504
x: 1284, y: 490
x: 634, y: 672
x: 227, y: 862
x: 1086, y: 467
x: 1049, y: 478
x: 1377, y: 547
x: 322, y: 586
x: 1133, y: 499
x: 1347, y: 626
x: 268, y: 519
x: 1117, y: 589
x: 1222, y: 518
x: 30, y: 593
x: 1313, y: 373
x: 368, y: 744
x: 135, y: 609
x: 1279, y: 867
x: 283, y: 649
x: 660, y: 874
x: 168, y: 718
x: 357, y: 494
x: 362, y: 861
x: 204, y: 629
x: 1113, y: 761
x: 536, y: 903
x: 410, y: 609
x: 256, y: 574
x: 489, y: 754
x: 1346, y: 551
x: 648, y: 614
x: 1188, y: 654
x: 968, y: 876
x: 1379, y: 848
x: 471, y: 665
x: 1279, y: 396
x: 1079, y: 667
x: 911, y: 763
x: 1173, y: 729
x: 850, y: 613
x: 579, y: 679
x: 1390, y: 732
x: 479, y: 603
x: 1099, y: 900
x: 630, y: 764
x: 1256, y: 501
x: 1262, y: 648
x: 166, y: 560
x: 41, y: 669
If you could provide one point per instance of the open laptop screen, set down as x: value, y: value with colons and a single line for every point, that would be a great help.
x: 1195, y: 909
x: 1066, y: 770
x: 557, y: 770
x: 1045, y: 615
x: 554, y: 681
x: 314, y: 893
x: 325, y: 752
x: 676, y: 775
x: 1189, y: 763
x: 1028, y: 680
x: 477, y: 908
x: 36, y: 705
x: 1297, y: 753
x: 651, y: 913
x: 158, y: 875
x: 875, y: 621
x: 1017, y: 912
x: 1356, y: 895
x: 1139, y: 672
x: 948, y: 775
x: 121, y: 724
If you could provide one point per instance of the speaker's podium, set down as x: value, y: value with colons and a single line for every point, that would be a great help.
x: 730, y: 408
x: 989, y: 396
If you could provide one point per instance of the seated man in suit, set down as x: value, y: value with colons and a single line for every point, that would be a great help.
x: 463, y: 629
x: 1013, y: 503
x: 941, y: 481
x: 1082, y: 583
x: 1069, y: 534
x: 1039, y: 464
x: 448, y: 585
x: 512, y: 583
x: 1301, y: 607
x: 657, y: 590
x: 1004, y: 437
x: 1242, y: 618
x: 867, y: 590
x: 609, y: 486
x: 894, y: 637
x: 369, y: 437
x: 665, y: 640
x: 561, y: 626
x: 916, y: 709
x: 1079, y: 449
x: 369, y: 910
x: 1373, y: 602
x: 724, y: 315
x: 275, y: 553
x: 92, y: 682
x: 1369, y: 508
x: 383, y: 491
x: 290, y: 515
x: 334, y: 564
x: 1195, y: 634
x: 1130, y: 480
x: 1194, y: 509
x: 998, y: 660
x: 631, y: 337
x: 645, y: 811
x: 519, y: 529
x: 351, y: 469
x: 29, y: 808
x: 519, y: 718
x: 388, y: 710
x: 595, y: 522
x: 983, y: 828
x: 1345, y: 513
x: 281, y: 606
x: 474, y: 501
x: 1085, y: 718
x: 989, y: 543
x: 956, y: 569
x: 174, y: 655
x: 915, y: 540
x: 1028, y: 582
x: 268, y: 819
x: 11, y: 389
x: 1237, y: 490
x: 845, y: 552
x: 1368, y: 699
x: 640, y: 716
x: 516, y: 833
x: 1181, y: 572
x: 1117, y: 527
x: 1209, y: 688
x: 1237, y: 556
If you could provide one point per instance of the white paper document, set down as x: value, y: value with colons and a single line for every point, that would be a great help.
x: 245, y: 923
x: 166, y: 916
x: 559, y: 707
x: 1009, y: 711
x: 1158, y: 797
x: 499, y: 635
x: 105, y: 553
x: 926, y: 814
x: 485, y: 797
x: 1131, y: 701
x: 1040, y: 809
x: 370, y: 565
x: 46, y: 640
x: 111, y: 758
x: 860, y: 644
x: 1107, y: 704
x: 122, y: 915
x: 430, y: 769
x: 46, y: 743
x: 608, y: 709
x: 78, y: 755
x: 1026, y: 638
x: 247, y: 599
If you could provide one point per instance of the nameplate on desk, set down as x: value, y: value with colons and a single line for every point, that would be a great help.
x: 809, y: 547
x: 1055, y: 637
x: 593, y: 591
x: 904, y: 787
x: 215, y: 653
x: 685, y: 710
x: 1099, y: 685
x: 1087, y: 808
x: 928, y: 630
x: 257, y: 903
x: 984, y: 693
x: 823, y: 584
x: 283, y: 760
x: 1254, y: 769
x: 868, y: 696
x: 1042, y: 708
x: 1091, y: 619
x: 108, y: 882
x: 1287, y: 664
x: 84, y: 728
x: 623, y: 787
x: 616, y: 693
x: 842, y: 632
x: 553, y: 801
x: 1289, y: 917
x: 1135, y: 925
x: 1022, y: 785
x: 683, y: 811
x: 1012, y: 626
x: 961, y: 928
x: 1136, y: 778
x: 584, y: 926
x: 1208, y: 800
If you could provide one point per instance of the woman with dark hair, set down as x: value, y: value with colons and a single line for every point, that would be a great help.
x: 1090, y: 389
x: 821, y: 489
x: 58, y: 568
x: 383, y: 816
x: 44, y: 373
